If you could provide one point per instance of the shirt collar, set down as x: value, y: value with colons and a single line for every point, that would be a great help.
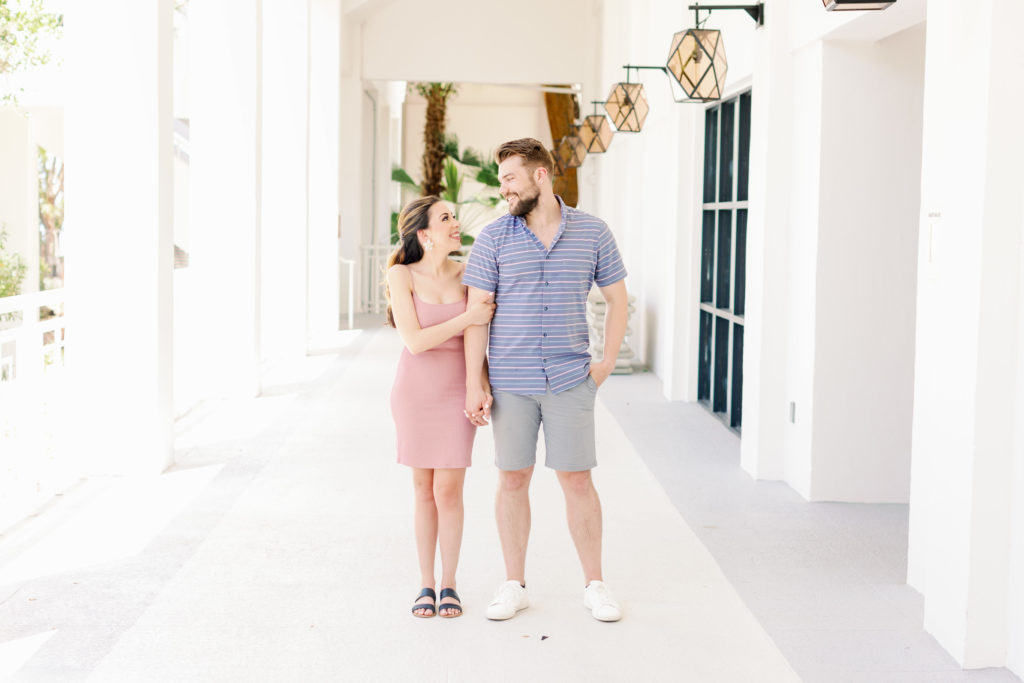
x: 520, y: 222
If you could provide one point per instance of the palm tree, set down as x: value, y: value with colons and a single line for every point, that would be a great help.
x: 51, y: 211
x: 437, y: 95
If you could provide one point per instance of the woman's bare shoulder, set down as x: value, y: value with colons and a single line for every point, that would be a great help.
x: 398, y: 270
x: 399, y: 274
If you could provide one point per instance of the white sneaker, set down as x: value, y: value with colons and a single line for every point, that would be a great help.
x: 599, y: 600
x: 510, y: 598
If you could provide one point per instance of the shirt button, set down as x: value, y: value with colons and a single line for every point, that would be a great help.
x: 545, y: 308
x: 547, y: 283
x: 544, y: 334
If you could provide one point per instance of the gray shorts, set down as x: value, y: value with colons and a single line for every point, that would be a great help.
x: 568, y: 419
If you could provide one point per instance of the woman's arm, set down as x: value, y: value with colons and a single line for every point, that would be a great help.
x: 418, y: 338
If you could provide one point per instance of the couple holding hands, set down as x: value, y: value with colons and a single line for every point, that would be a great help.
x: 528, y: 277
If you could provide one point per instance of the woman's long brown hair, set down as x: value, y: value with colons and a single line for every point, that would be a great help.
x: 414, y: 217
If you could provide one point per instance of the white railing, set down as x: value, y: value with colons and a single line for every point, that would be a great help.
x: 350, y: 265
x: 373, y: 258
x: 31, y: 341
x: 33, y: 404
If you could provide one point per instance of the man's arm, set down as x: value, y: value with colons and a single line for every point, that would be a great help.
x: 616, y: 314
x: 478, y: 388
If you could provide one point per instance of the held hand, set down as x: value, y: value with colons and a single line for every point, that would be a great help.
x: 600, y: 371
x: 481, y: 312
x: 478, y: 406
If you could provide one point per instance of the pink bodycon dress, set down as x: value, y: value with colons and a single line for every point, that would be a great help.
x: 428, y: 398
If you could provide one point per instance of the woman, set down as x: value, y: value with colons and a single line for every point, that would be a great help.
x: 427, y: 303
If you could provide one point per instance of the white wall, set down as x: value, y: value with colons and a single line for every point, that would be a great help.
x: 866, y: 268
x: 965, y: 415
x: 417, y: 41
x: 819, y: 219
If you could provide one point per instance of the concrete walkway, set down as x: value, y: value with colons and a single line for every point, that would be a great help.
x: 280, y: 549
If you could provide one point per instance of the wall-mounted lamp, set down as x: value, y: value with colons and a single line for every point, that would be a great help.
x: 570, y: 151
x: 696, y: 58
x: 627, y: 105
x: 843, y: 5
x: 559, y: 169
x: 697, y: 61
x: 596, y: 132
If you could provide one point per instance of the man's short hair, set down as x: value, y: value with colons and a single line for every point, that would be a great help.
x: 533, y: 152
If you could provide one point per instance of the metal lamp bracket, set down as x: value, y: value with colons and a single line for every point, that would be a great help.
x: 756, y: 12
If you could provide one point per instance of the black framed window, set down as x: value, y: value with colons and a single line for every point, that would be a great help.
x: 723, y: 258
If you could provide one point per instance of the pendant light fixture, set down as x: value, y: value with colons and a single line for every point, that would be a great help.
x: 570, y: 150
x: 697, y: 61
x: 596, y: 132
x: 696, y: 57
x: 559, y: 169
x: 846, y: 5
x: 627, y: 106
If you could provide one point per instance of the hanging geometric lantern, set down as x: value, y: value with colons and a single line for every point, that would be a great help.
x: 697, y: 61
x: 570, y: 151
x: 559, y: 168
x: 841, y: 5
x: 596, y: 133
x: 627, y: 106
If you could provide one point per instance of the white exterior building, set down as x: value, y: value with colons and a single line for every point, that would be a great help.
x: 879, y: 354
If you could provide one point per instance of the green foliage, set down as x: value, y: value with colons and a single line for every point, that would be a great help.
x: 451, y: 146
x: 394, y: 226
x: 488, y: 175
x: 460, y: 165
x: 457, y: 167
x: 452, y: 182
x: 12, y: 268
x: 51, y: 217
x: 22, y: 25
x: 443, y: 90
x: 399, y: 175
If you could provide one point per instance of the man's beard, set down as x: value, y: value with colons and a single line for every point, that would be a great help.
x: 525, y: 204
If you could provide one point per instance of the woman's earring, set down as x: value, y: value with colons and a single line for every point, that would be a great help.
x: 429, y: 245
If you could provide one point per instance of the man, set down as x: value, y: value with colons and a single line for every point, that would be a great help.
x: 540, y: 260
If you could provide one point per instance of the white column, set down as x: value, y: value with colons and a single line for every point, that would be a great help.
x: 353, y: 173
x: 1015, y: 655
x: 765, y: 399
x: 782, y: 264
x: 284, y: 204
x: 225, y: 164
x: 119, y: 238
x: 324, y: 113
x: 967, y: 332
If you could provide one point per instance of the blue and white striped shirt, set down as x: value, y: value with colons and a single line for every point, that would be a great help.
x: 539, y: 330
